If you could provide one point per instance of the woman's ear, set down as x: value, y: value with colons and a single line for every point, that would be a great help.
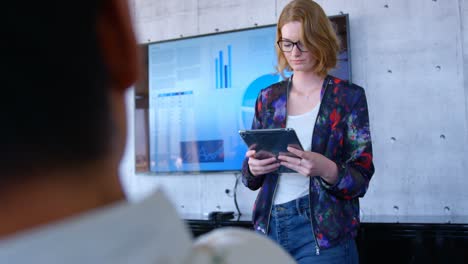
x: 118, y: 43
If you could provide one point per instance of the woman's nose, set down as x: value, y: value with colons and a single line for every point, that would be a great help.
x: 295, y: 51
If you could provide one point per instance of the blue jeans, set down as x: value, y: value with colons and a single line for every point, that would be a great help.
x: 290, y: 227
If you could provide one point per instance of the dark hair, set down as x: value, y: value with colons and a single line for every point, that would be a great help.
x: 54, y: 106
x: 318, y: 35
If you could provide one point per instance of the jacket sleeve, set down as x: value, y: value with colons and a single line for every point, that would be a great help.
x: 250, y: 181
x: 356, y: 168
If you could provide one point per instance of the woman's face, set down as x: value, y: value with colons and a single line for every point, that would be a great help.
x: 293, y: 48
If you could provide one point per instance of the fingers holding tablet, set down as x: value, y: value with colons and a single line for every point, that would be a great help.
x: 268, y: 144
x: 261, y: 162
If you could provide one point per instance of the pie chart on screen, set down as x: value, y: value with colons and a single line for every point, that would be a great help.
x: 250, y: 96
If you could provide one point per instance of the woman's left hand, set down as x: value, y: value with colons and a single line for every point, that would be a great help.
x: 311, y: 164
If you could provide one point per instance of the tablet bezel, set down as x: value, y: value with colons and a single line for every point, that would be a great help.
x: 271, y: 142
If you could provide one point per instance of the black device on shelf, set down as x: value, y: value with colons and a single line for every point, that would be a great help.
x: 221, y: 216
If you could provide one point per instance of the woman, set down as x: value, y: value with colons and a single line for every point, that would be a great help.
x: 314, y: 213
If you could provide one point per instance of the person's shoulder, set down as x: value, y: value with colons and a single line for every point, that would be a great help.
x: 345, y: 85
x: 276, y: 86
x: 238, y: 245
x: 139, y: 229
x: 345, y: 88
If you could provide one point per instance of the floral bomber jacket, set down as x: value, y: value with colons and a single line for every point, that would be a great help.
x: 342, y: 134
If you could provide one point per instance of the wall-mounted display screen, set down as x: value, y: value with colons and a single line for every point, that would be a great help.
x: 202, y: 91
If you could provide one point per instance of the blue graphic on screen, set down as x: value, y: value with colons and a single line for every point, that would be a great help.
x: 223, y: 71
x: 202, y: 91
x: 251, y: 94
x: 202, y: 151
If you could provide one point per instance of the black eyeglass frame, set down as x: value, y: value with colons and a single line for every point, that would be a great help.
x: 292, y: 47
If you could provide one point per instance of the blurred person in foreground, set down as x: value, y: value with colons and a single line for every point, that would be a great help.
x: 65, y: 69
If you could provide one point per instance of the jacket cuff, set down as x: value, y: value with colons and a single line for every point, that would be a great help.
x: 341, y: 172
x: 247, y: 173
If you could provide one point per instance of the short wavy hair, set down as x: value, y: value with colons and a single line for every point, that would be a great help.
x: 318, y: 35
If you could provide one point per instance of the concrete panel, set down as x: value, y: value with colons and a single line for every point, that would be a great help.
x: 216, y: 199
x: 160, y: 20
x: 464, y: 36
x: 415, y: 88
x: 229, y: 15
x: 185, y: 191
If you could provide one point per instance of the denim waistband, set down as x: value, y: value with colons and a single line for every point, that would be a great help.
x: 292, y: 207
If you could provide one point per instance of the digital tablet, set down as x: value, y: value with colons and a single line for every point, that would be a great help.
x: 271, y: 142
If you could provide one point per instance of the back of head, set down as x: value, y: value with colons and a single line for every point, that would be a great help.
x: 237, y: 245
x: 54, y: 107
x: 318, y: 34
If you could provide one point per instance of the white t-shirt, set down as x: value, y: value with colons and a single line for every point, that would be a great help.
x: 294, y: 185
x: 149, y: 231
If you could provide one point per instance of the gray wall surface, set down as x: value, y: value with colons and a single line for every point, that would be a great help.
x: 412, y: 59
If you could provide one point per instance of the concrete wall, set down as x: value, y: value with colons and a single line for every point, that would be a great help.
x: 464, y: 33
x: 412, y: 59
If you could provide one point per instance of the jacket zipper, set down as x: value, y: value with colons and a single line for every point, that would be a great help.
x: 317, y: 248
x: 271, y: 206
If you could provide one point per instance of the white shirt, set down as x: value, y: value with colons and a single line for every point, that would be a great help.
x: 294, y: 185
x: 146, y: 232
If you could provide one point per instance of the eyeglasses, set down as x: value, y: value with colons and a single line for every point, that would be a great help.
x: 287, y: 45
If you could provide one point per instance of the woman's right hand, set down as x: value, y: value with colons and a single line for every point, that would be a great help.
x: 260, y: 166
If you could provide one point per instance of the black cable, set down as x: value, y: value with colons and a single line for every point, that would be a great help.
x: 235, y: 193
